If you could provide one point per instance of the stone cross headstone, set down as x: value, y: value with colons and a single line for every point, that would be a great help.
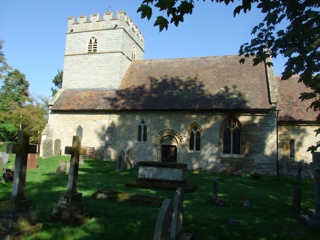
x: 163, y: 226
x: 313, y: 217
x: 21, y: 149
x: 75, y: 150
x: 177, y: 217
x: 215, y: 191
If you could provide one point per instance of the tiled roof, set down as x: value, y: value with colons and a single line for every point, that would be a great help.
x: 290, y: 106
x: 200, y: 83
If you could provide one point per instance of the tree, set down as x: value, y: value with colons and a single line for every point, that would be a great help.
x: 4, y: 67
x: 14, y: 91
x: 57, y: 81
x: 299, y: 41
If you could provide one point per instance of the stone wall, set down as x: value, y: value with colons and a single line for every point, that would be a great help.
x: 114, y: 132
x: 303, y: 136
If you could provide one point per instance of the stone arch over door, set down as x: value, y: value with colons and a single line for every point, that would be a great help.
x: 168, y: 142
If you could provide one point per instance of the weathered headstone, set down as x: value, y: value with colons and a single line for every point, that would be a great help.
x: 47, y: 148
x: 298, y: 177
x: 57, y: 147
x: 296, y: 201
x: 313, y: 217
x: 70, y: 206
x: 1, y: 165
x: 121, y: 161
x: 61, y: 168
x: 32, y: 159
x: 4, y: 156
x: 177, y: 217
x: 215, y: 191
x: 163, y: 226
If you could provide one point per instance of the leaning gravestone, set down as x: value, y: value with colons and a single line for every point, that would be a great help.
x: 18, y: 208
x: 47, y: 148
x: 313, y: 217
x: 177, y: 217
x: 163, y: 226
x: 70, y: 205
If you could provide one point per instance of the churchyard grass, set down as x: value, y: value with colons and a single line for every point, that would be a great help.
x: 269, y: 215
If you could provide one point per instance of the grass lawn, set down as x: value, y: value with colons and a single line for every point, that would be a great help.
x: 268, y: 217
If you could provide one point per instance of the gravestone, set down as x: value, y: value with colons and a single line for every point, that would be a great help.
x: 79, y: 133
x: 121, y: 161
x: 313, y: 217
x: 61, y: 168
x: 32, y: 159
x: 57, y: 147
x: 298, y: 177
x: 18, y: 208
x: 296, y: 201
x: 215, y: 191
x: 177, y: 217
x: 163, y: 226
x: 47, y: 148
x: 4, y: 157
x: 70, y: 205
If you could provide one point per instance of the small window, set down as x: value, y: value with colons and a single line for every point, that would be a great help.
x: 142, y: 131
x: 92, y: 45
x: 292, y: 148
x: 133, y: 53
x: 231, y: 136
x: 194, y: 137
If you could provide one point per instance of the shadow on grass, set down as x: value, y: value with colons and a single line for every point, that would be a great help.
x: 268, y: 217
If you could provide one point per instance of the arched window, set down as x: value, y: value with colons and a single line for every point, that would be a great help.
x: 92, y: 45
x: 133, y: 53
x: 142, y: 131
x: 231, y: 136
x: 194, y: 137
x: 292, y: 148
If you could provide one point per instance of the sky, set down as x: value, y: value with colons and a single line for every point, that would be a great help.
x: 34, y: 34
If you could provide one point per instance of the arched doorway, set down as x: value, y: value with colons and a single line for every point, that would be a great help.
x: 169, y: 149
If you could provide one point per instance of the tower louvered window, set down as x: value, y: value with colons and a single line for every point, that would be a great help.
x: 92, y: 45
x: 133, y: 53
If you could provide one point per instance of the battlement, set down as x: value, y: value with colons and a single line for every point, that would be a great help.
x: 108, y: 21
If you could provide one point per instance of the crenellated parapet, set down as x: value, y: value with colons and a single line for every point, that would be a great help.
x: 108, y: 21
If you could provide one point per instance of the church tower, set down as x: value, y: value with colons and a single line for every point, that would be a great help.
x: 99, y: 51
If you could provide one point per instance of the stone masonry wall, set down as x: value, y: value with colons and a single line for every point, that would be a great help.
x: 304, y: 136
x: 258, y: 137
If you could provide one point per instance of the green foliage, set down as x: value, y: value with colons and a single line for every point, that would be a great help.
x: 57, y: 81
x: 4, y: 67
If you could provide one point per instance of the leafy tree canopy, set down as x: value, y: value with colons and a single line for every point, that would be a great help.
x: 3, y: 62
x: 57, y: 81
x: 298, y: 42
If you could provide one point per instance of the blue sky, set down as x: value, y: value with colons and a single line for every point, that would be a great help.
x: 34, y: 34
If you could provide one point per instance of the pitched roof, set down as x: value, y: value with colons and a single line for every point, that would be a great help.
x: 292, y: 109
x: 200, y: 83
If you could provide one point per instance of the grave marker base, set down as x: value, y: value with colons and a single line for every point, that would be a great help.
x: 70, y: 209
x: 17, y: 218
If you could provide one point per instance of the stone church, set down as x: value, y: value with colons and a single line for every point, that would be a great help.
x: 212, y: 113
